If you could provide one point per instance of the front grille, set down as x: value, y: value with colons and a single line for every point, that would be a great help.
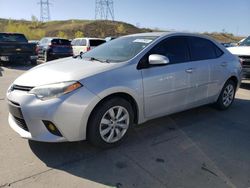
x: 21, y: 88
x: 245, y: 61
x: 21, y: 123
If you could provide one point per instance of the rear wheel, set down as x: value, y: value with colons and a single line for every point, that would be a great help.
x: 110, y: 122
x: 227, y: 95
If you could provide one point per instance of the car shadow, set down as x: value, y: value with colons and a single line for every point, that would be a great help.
x: 157, y: 148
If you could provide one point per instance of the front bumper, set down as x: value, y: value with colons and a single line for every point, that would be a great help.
x: 68, y: 113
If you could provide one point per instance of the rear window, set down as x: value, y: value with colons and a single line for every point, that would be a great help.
x: 202, y: 49
x: 8, y: 37
x: 62, y: 42
x: 96, y: 42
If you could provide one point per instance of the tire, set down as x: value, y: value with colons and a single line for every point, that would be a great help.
x: 227, y: 95
x: 102, y: 125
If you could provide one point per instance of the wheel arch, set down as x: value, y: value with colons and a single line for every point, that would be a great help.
x: 123, y: 95
x: 234, y: 79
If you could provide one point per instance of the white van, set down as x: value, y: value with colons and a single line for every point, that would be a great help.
x: 82, y: 45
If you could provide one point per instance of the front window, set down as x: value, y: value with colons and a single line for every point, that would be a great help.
x: 121, y: 49
x: 245, y: 42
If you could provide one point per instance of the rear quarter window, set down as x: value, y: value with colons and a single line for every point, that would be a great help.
x: 202, y: 49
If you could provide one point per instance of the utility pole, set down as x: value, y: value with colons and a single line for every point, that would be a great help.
x: 104, y: 10
x: 44, y: 10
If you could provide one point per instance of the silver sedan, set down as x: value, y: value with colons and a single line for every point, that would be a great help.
x: 98, y: 96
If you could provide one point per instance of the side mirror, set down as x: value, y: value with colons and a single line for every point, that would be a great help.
x: 156, y: 59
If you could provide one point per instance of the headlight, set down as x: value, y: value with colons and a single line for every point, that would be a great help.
x: 54, y: 90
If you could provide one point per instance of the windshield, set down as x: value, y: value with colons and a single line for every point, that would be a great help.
x: 121, y: 49
x: 245, y: 42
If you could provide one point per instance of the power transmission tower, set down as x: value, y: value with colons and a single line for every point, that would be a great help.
x: 104, y: 9
x: 44, y: 10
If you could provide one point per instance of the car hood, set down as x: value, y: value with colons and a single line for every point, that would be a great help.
x: 67, y: 69
x: 240, y: 50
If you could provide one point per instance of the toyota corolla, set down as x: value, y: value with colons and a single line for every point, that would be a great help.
x: 99, y: 95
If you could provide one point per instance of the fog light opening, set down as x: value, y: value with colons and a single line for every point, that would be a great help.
x: 52, y: 128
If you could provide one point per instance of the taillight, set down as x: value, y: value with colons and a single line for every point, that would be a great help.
x: 88, y: 48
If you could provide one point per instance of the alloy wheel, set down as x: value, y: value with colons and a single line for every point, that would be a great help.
x: 228, y: 95
x: 114, y: 124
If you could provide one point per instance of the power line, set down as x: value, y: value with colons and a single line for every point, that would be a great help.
x: 44, y: 10
x: 104, y: 10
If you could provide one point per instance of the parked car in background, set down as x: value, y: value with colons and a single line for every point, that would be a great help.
x: 82, y: 45
x: 14, y: 48
x: 50, y: 48
x: 101, y: 94
x: 243, y: 52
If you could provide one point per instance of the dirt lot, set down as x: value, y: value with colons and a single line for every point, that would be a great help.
x: 202, y: 147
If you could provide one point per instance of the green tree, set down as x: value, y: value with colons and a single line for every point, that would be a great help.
x: 62, y: 34
x: 120, y: 28
x: 79, y: 34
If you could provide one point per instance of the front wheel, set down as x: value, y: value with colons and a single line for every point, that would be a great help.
x: 110, y: 123
x: 227, y: 95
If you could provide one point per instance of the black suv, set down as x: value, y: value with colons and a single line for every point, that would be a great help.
x: 54, y: 48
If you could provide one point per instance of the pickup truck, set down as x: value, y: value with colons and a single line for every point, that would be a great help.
x: 14, y: 47
x: 243, y: 52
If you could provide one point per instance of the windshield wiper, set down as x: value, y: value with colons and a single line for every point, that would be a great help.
x: 100, y: 60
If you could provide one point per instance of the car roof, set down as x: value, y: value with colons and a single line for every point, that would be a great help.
x: 171, y: 33
x: 163, y: 34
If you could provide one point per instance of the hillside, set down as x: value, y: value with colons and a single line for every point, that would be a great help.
x: 69, y: 28
x: 35, y: 30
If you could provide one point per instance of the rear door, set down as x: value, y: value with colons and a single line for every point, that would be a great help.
x: 166, y: 87
x: 202, y: 69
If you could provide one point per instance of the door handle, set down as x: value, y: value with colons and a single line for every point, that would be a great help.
x: 190, y: 70
x: 224, y: 64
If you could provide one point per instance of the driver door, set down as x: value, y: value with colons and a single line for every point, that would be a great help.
x: 166, y: 87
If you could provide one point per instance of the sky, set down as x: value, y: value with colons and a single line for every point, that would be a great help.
x: 232, y: 16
